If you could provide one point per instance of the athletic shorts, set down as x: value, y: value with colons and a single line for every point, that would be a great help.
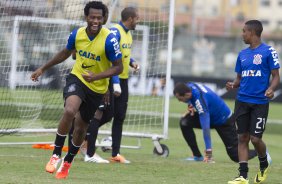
x: 251, y: 118
x: 90, y: 99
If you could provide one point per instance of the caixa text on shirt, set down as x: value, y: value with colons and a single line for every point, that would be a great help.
x: 89, y: 55
x: 251, y: 73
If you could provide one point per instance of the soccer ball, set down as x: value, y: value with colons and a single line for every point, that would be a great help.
x: 106, y: 144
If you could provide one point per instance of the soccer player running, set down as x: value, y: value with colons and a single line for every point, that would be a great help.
x: 207, y: 110
x: 254, y: 67
x: 118, y: 106
x: 98, y: 57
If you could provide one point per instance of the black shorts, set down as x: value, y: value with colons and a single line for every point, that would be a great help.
x: 251, y: 118
x: 90, y: 99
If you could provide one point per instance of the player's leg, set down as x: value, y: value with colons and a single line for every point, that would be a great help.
x: 81, y: 122
x: 72, y: 95
x: 187, y: 124
x: 80, y: 128
x: 258, y: 123
x: 71, y: 133
x: 91, y: 136
x: 103, y: 115
x: 120, y: 108
x: 92, y: 133
x: 242, y: 116
x: 72, y: 104
x: 243, y: 148
x: 83, y: 147
x: 108, y: 112
x: 79, y: 133
x: 228, y: 135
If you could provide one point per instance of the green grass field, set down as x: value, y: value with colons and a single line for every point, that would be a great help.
x: 23, y: 164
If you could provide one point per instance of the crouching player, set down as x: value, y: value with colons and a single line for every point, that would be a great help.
x: 207, y: 110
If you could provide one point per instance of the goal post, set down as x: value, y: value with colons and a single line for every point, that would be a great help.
x: 30, y: 39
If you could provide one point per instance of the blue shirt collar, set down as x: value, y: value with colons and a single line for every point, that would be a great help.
x: 123, y: 26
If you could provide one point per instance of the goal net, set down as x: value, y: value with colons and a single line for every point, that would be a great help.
x: 32, y: 31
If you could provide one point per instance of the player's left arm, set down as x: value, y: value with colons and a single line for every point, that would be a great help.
x: 201, y: 105
x: 273, y: 84
x: 273, y: 64
x: 205, y: 124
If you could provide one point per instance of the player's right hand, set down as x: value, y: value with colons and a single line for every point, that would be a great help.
x: 34, y: 76
x: 89, y: 77
x: 208, y: 157
x: 191, y: 110
x: 229, y: 86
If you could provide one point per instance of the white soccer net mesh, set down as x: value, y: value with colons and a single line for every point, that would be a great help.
x: 32, y: 31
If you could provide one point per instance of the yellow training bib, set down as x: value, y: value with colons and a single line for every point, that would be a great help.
x: 91, y: 56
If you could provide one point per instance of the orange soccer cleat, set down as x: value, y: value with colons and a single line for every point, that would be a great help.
x: 51, y: 166
x: 63, y: 171
x: 119, y: 159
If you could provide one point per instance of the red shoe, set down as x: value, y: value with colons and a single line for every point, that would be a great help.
x: 63, y: 171
x: 51, y: 166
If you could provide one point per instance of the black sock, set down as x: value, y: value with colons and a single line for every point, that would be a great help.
x: 263, y: 163
x: 71, y: 133
x: 92, y: 134
x: 73, y: 149
x: 116, y: 136
x: 243, y: 169
x: 59, y: 143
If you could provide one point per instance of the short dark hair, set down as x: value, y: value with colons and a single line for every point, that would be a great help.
x: 95, y: 5
x: 255, y: 25
x: 181, y: 89
x: 128, y: 12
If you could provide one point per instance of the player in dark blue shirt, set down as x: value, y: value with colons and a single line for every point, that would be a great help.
x: 207, y: 110
x: 254, y: 67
